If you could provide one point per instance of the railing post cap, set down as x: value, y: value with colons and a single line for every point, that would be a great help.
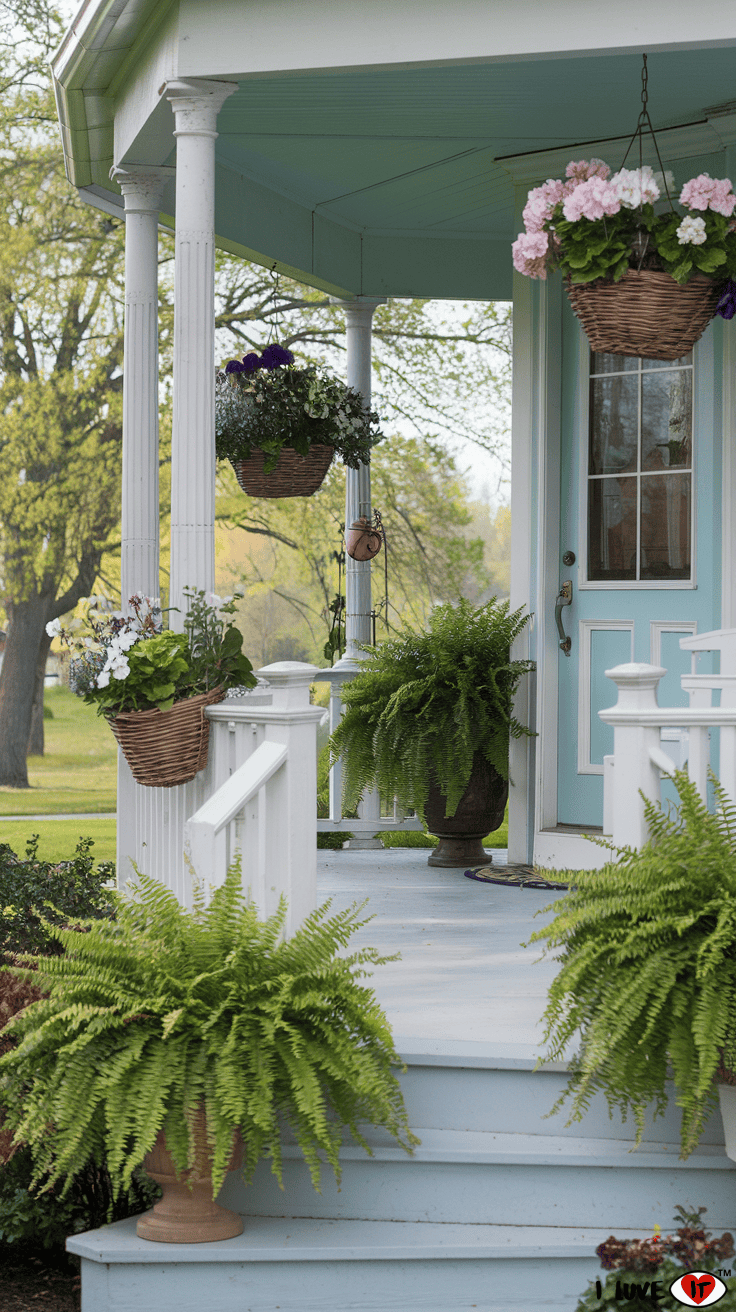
x: 288, y: 672
x: 636, y: 674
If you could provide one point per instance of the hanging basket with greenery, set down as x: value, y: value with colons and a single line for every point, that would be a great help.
x: 280, y: 424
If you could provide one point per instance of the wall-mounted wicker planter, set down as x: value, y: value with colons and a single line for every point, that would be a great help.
x: 647, y: 314
x: 294, y: 475
x: 165, y: 748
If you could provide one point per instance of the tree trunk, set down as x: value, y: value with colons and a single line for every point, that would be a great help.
x: 36, y: 739
x: 27, y: 621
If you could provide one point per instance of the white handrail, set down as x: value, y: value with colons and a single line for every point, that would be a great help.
x: 202, y: 829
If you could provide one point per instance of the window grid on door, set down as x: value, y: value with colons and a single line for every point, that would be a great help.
x: 640, y: 470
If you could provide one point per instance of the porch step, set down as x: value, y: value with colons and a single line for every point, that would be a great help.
x: 445, y: 1231
x: 310, y: 1265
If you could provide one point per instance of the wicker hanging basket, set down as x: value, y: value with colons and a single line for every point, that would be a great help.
x: 647, y: 314
x: 165, y: 748
x: 294, y: 475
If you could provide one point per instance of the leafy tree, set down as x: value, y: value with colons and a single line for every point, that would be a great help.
x: 60, y: 393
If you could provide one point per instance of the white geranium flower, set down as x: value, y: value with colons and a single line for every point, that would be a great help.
x: 691, y: 232
x: 213, y: 600
x: 120, y: 670
x: 635, y: 187
x: 53, y: 628
x: 103, y: 678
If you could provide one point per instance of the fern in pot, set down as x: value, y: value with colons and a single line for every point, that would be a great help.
x: 428, y: 721
x: 184, y: 1040
x: 646, y: 990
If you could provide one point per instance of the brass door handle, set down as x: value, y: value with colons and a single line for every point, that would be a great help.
x: 564, y: 598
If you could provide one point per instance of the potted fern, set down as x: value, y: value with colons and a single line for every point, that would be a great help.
x: 647, y: 980
x: 183, y: 1039
x: 428, y: 721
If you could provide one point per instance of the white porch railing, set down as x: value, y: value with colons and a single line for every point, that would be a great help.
x: 255, y: 797
x: 370, y: 820
x: 638, y: 761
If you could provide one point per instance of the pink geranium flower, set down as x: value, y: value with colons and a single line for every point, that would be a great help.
x: 541, y: 202
x: 591, y: 200
x: 582, y: 169
x: 706, y: 193
x: 530, y: 253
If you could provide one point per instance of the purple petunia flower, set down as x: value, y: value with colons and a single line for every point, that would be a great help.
x: 274, y: 356
x: 251, y: 363
x: 233, y: 367
x: 726, y: 306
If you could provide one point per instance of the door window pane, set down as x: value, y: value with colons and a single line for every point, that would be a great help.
x: 612, y: 528
x: 614, y: 404
x: 665, y: 526
x: 641, y: 426
x: 666, y: 419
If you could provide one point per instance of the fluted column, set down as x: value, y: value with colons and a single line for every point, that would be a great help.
x: 142, y: 190
x: 358, y: 605
x: 196, y: 104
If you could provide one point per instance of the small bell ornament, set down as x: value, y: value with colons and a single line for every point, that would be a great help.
x: 362, y: 539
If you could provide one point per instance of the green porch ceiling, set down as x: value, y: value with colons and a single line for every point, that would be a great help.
x: 391, y: 181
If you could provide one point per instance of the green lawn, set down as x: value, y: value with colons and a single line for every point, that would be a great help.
x: 79, y: 769
x: 58, y: 838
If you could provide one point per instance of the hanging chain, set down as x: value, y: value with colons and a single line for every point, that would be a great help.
x: 644, y: 123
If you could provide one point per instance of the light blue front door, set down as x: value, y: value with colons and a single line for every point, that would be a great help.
x: 640, y: 511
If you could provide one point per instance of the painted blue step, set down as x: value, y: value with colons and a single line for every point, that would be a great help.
x: 341, y: 1266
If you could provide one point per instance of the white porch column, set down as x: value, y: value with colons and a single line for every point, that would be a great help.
x: 358, y: 604
x: 142, y: 190
x: 196, y: 104
x: 358, y: 627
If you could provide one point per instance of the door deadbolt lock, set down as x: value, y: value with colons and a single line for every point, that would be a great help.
x: 564, y: 598
x: 568, y: 558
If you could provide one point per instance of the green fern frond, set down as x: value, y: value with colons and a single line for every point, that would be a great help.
x: 424, y: 704
x: 163, y: 1010
x: 647, y: 979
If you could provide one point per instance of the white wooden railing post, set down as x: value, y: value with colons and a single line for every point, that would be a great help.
x: 636, y: 745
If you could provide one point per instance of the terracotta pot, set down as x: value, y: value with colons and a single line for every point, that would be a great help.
x: 362, y: 540
x: 186, y: 1214
x: 480, y: 811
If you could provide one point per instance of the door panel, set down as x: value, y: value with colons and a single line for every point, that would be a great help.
x: 643, y: 577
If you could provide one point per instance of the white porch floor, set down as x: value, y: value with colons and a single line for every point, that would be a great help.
x: 463, y: 976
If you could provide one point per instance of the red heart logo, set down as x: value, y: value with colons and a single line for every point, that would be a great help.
x: 696, y: 1286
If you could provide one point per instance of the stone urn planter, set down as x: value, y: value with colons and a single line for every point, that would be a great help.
x: 479, y: 812
x: 186, y: 1214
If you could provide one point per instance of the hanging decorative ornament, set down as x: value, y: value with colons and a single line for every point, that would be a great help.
x: 363, y: 539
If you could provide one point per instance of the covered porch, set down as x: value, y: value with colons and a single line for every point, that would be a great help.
x: 499, y: 1208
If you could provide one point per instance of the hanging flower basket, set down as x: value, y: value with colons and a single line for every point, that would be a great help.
x: 643, y: 281
x: 293, y: 475
x: 165, y: 748
x: 280, y: 425
x: 647, y: 314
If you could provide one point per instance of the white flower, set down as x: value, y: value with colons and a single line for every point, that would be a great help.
x: 120, y: 670
x: 635, y: 187
x: 126, y: 640
x: 213, y: 600
x: 692, y: 232
x: 103, y: 679
x: 53, y: 628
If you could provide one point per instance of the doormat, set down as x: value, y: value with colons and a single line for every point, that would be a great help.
x: 513, y: 877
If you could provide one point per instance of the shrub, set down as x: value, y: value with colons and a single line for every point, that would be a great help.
x: 33, y: 891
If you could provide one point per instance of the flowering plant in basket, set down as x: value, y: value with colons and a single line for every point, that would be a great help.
x: 265, y: 403
x: 594, y: 225
x: 131, y: 663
